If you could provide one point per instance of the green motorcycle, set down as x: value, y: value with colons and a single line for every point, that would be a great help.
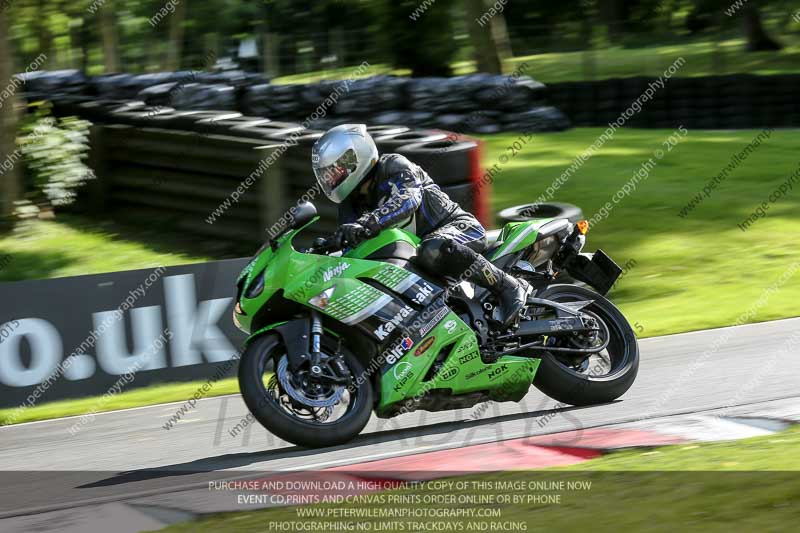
x: 334, y: 335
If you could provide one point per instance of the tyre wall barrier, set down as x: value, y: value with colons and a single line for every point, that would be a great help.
x: 184, y: 168
x: 479, y: 103
x: 713, y: 102
x: 124, y: 330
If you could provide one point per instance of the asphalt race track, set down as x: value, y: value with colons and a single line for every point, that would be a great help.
x: 128, y: 453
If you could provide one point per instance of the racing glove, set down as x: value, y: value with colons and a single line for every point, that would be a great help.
x: 350, y: 234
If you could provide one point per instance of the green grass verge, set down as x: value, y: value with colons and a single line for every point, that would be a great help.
x: 703, y: 58
x: 689, y: 273
x: 74, y: 246
x: 664, y: 489
x: 338, y: 73
x: 153, y: 395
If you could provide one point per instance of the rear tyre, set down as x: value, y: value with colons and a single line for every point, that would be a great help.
x: 601, y: 378
x: 282, y: 415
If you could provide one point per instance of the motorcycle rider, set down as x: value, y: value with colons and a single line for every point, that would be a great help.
x: 379, y: 192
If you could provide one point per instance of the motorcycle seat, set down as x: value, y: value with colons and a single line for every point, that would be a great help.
x: 554, y: 227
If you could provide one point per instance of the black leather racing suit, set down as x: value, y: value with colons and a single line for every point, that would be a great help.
x: 401, y: 194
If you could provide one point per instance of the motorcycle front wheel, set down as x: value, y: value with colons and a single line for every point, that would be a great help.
x: 296, y: 407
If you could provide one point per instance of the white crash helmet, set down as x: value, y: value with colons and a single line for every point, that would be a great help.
x: 342, y: 158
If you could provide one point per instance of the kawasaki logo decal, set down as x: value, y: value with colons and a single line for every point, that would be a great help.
x: 386, y: 328
x: 424, y: 291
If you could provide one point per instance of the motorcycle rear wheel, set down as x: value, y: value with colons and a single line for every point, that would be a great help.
x: 273, y: 407
x: 587, y: 386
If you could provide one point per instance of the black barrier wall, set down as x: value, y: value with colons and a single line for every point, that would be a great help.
x: 148, y: 326
x: 724, y: 102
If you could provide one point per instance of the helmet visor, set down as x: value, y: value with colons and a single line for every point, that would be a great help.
x: 331, y: 176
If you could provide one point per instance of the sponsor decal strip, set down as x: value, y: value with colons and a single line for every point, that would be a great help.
x: 406, y: 283
x: 438, y: 317
x: 368, y: 310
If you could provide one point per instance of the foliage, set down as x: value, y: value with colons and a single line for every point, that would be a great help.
x: 319, y: 34
x: 423, y: 45
x: 53, y: 152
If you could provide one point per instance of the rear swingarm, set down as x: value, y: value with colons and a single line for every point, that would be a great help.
x: 557, y: 326
x: 539, y: 347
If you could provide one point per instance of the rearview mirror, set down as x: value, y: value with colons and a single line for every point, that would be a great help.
x: 303, y: 214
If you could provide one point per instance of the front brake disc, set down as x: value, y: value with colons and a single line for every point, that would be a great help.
x: 300, y: 395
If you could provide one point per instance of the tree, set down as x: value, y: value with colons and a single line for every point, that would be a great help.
x: 757, y: 38
x: 615, y: 14
x: 9, y: 180
x: 270, y: 64
x: 44, y: 35
x: 176, y: 22
x: 489, y: 36
x: 721, y: 13
x: 419, y: 39
x: 108, y: 32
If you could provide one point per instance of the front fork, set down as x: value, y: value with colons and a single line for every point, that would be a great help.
x: 315, y: 353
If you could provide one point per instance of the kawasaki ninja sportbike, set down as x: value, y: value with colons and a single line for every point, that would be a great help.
x: 334, y: 336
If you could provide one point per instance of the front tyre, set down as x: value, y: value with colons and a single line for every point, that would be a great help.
x: 600, y: 378
x: 309, y: 414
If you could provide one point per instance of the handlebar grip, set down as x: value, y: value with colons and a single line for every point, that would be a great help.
x: 326, y: 244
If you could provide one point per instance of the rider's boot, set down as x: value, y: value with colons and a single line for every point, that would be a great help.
x: 511, y: 293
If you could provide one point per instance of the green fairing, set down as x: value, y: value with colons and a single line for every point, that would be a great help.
x: 517, y: 236
x: 263, y: 330
x: 462, y: 372
x: 303, y: 276
x: 384, y: 238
